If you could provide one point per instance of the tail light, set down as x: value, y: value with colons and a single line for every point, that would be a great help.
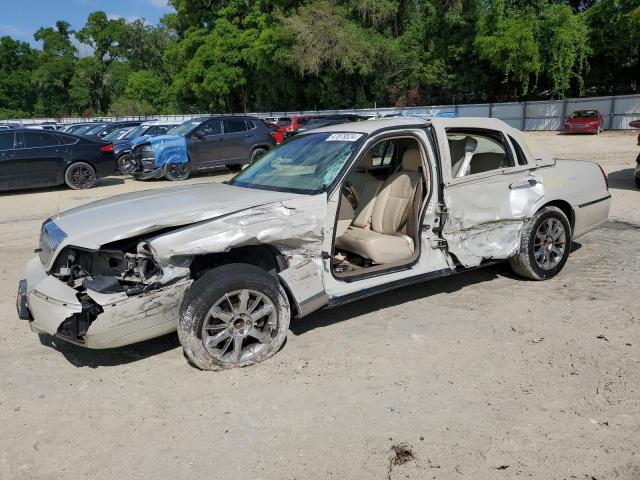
x: 606, y: 180
x: 107, y: 148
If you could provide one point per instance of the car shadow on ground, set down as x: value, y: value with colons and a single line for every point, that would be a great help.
x: 84, y: 357
x: 622, y: 179
x: 101, y: 182
x: 450, y: 284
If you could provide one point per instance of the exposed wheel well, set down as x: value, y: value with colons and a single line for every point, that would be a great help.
x: 266, y: 257
x: 566, y: 209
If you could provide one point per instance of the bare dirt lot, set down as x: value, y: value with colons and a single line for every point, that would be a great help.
x: 478, y: 376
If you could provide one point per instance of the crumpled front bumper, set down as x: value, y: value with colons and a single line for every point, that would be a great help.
x: 47, y: 303
x: 152, y: 174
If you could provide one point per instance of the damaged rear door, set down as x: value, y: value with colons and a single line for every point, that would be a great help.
x: 488, y: 197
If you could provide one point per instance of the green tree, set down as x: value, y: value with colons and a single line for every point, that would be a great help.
x: 507, y: 39
x: 17, y: 92
x: 55, y: 67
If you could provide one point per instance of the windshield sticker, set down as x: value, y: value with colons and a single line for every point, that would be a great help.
x: 343, y: 137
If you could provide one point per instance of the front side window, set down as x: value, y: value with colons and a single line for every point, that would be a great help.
x: 475, y: 152
x: 212, y: 127
x: 306, y: 164
x: 39, y: 139
x: 185, y: 127
x: 158, y: 130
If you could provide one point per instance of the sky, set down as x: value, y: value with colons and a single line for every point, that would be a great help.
x: 21, y: 18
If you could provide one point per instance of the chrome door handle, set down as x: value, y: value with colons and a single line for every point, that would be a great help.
x: 526, y: 183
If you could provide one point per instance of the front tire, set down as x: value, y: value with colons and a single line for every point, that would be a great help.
x: 545, y: 242
x: 233, y: 316
x: 126, y: 164
x: 176, y: 171
x: 80, y: 175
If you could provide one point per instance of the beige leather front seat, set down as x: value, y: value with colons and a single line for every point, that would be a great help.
x: 367, y: 188
x: 387, y: 240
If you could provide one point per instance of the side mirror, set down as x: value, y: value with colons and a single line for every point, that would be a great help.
x: 199, y: 134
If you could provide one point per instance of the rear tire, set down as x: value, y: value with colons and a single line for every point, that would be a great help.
x: 79, y: 176
x: 234, y: 167
x: 545, y: 242
x: 219, y: 330
x: 637, y: 182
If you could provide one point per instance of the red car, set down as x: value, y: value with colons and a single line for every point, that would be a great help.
x: 294, y: 122
x: 276, y: 133
x: 584, y: 121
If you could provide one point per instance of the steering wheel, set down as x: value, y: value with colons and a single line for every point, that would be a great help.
x: 350, y: 193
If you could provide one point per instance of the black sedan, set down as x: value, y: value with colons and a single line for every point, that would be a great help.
x: 39, y: 158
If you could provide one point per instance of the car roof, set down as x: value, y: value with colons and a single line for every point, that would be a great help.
x: 150, y: 123
x: 371, y: 126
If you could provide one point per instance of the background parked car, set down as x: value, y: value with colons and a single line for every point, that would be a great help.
x: 80, y: 128
x: 200, y: 144
x: 38, y: 158
x: 101, y: 131
x: 117, y: 134
x: 584, y: 121
x: 276, y: 133
x: 294, y: 122
x: 122, y: 146
x: 325, y: 121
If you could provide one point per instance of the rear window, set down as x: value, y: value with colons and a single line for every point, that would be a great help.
x: 66, y: 139
x: 284, y: 121
x: 585, y: 114
x: 235, y: 126
x: 6, y: 141
x: 39, y: 139
x: 522, y: 159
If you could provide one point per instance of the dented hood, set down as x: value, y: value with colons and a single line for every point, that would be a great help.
x: 132, y: 214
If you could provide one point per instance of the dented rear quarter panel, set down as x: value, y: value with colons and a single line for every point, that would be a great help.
x: 485, y: 216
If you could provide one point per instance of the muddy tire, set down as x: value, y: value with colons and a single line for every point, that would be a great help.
x: 544, y: 245
x: 233, y: 316
x: 80, y: 175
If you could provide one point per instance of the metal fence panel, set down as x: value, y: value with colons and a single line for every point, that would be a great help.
x: 617, y: 112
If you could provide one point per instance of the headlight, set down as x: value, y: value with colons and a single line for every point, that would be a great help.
x: 51, y: 236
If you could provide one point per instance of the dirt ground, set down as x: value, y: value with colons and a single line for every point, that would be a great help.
x: 478, y: 376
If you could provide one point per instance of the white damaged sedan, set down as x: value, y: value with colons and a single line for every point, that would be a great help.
x: 331, y: 216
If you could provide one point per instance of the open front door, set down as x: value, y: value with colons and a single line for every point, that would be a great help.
x: 488, y: 196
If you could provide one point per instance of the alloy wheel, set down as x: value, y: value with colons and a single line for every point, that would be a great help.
x: 549, y: 243
x: 239, y: 326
